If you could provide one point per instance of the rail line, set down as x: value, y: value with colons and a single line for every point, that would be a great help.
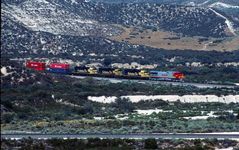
x: 144, y: 81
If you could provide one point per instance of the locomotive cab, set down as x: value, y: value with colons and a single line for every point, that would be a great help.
x: 167, y: 75
x: 144, y: 73
x: 117, y: 72
x: 92, y: 70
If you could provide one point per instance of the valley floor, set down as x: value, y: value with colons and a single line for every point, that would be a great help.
x: 172, y: 41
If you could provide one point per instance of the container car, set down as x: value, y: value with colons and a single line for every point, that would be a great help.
x: 61, y: 68
x: 39, y: 66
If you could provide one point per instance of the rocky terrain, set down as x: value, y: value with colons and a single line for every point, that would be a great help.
x: 50, y: 17
x: 82, y: 18
x: 80, y: 30
x: 230, y: 8
x: 18, y: 40
x: 120, y: 33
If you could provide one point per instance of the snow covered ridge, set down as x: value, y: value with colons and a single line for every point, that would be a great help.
x: 227, y: 22
x: 170, y: 98
x: 223, y: 5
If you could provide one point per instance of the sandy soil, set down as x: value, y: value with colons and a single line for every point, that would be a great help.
x: 172, y: 41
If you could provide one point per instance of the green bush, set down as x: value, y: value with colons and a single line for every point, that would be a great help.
x: 150, y: 144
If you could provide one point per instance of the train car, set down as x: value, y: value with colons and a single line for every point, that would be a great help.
x: 110, y: 72
x: 83, y: 70
x: 61, y: 68
x: 144, y: 73
x: 135, y: 73
x: 166, y: 75
x: 117, y: 72
x: 92, y: 71
x: 106, y: 71
x: 130, y: 72
x: 39, y: 66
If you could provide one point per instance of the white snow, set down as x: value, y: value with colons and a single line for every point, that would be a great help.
x: 74, y: 2
x: 227, y: 21
x: 205, y: 2
x: 122, y: 116
x: 99, y: 118
x: 150, y: 111
x: 224, y: 5
x: 196, y: 117
x: 222, y: 133
x: 201, y: 117
x: 102, y: 99
x: 170, y: 98
x: 42, y: 1
x: 4, y: 71
x: 33, y: 16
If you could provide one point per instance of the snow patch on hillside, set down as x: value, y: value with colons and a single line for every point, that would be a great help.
x: 211, y: 115
x: 170, y: 98
x: 150, y: 111
x: 227, y: 21
x: 42, y: 19
x: 4, y: 71
x: 223, y: 5
x: 48, y: 17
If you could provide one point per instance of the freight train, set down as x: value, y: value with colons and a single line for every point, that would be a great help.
x: 64, y: 68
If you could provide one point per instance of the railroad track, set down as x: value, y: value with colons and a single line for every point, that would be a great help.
x: 145, y: 81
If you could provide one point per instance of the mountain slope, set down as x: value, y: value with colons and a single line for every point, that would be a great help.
x: 50, y: 17
x: 230, y: 7
x: 83, y: 18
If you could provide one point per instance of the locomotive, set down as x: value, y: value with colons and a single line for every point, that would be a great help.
x: 64, y: 68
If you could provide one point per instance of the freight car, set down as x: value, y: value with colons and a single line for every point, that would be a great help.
x: 60, y: 68
x: 39, y: 66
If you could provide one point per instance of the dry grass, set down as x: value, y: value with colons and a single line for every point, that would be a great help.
x: 171, y: 41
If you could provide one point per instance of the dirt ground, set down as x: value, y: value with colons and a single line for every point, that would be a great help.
x: 172, y: 41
